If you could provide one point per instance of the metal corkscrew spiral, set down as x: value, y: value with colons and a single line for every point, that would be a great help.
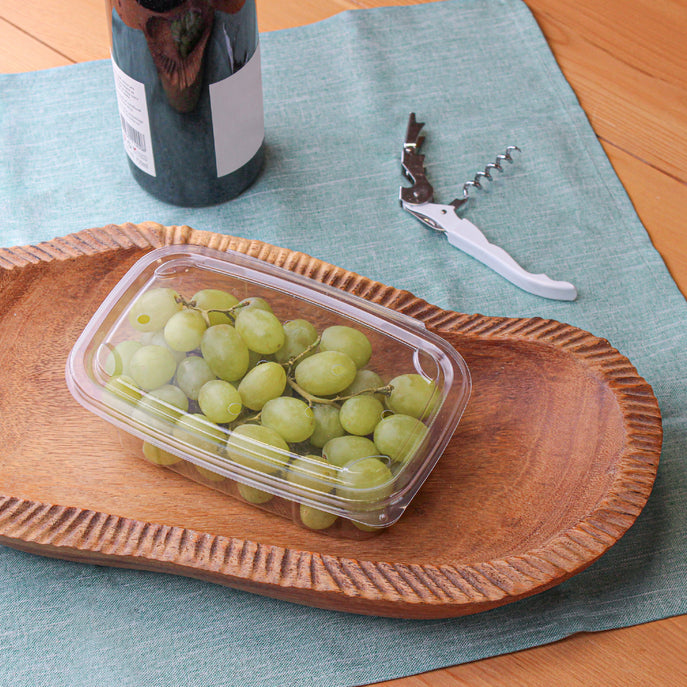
x: 486, y: 174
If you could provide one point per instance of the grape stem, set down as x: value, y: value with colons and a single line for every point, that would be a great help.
x: 291, y: 362
x: 311, y: 399
x: 244, y: 420
x: 230, y: 312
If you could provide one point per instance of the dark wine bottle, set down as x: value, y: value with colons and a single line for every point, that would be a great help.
x: 189, y: 91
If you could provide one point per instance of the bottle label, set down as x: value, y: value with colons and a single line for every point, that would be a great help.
x: 133, y: 113
x: 238, y: 123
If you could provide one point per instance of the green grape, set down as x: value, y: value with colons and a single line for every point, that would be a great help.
x: 171, y: 395
x: 342, y: 450
x: 260, y: 329
x: 362, y: 526
x: 312, y: 472
x: 255, y: 302
x: 192, y: 373
x: 209, y: 475
x: 365, y: 380
x: 367, y: 479
x: 360, y: 414
x: 292, y: 418
x: 219, y: 401
x: 197, y: 430
x: 399, y: 436
x: 326, y: 373
x: 152, y: 366
x: 314, y: 518
x: 215, y: 299
x: 168, y: 402
x: 162, y: 424
x: 184, y: 330
x: 117, y: 362
x: 225, y: 352
x: 158, y: 338
x: 261, y: 384
x: 151, y: 310
x: 159, y: 456
x: 412, y: 394
x: 125, y: 388
x: 259, y: 448
x: 327, y: 424
x: 253, y: 495
x: 347, y: 340
x: 299, y: 335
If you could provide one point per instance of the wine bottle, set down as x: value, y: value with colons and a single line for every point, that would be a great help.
x: 189, y: 91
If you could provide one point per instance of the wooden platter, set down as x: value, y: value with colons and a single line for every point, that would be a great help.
x: 553, y: 461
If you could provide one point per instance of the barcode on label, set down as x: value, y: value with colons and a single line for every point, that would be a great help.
x: 134, y: 135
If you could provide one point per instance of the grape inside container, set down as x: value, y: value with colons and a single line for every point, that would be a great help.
x: 287, y: 417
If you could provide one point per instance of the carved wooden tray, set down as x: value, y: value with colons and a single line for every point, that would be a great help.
x: 553, y: 461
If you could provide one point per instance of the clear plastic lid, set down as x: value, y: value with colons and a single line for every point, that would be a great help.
x: 286, y: 386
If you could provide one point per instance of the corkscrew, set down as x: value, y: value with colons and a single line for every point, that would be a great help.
x: 461, y: 233
x: 486, y: 174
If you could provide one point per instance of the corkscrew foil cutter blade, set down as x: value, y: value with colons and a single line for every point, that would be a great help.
x: 461, y: 233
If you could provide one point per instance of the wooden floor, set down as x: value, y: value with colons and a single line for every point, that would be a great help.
x: 627, y: 62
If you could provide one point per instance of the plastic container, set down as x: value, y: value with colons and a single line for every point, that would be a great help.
x: 282, y: 430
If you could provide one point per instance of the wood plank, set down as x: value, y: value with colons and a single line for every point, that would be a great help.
x: 653, y: 649
x: 660, y: 201
x: 76, y: 29
x: 277, y: 14
x: 644, y: 34
x: 21, y: 52
x: 626, y: 62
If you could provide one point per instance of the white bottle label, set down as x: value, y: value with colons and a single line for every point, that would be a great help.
x: 133, y: 112
x: 238, y: 123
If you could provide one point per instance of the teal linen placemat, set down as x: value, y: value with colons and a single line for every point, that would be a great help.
x: 337, y: 98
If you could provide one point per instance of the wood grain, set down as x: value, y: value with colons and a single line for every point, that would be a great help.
x: 557, y: 452
x: 650, y: 654
x: 40, y: 35
x: 604, y: 56
x: 19, y: 51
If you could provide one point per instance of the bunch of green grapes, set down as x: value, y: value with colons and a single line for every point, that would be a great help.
x: 281, y: 398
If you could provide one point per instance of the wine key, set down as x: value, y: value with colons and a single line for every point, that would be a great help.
x: 461, y: 233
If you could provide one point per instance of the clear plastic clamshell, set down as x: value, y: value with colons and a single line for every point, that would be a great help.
x: 286, y: 393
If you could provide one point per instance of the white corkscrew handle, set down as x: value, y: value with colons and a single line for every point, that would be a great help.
x: 464, y: 235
